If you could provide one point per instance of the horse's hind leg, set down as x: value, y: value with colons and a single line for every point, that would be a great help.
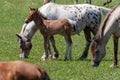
x: 88, y: 41
x: 68, y: 46
x: 56, y: 53
x: 115, y: 62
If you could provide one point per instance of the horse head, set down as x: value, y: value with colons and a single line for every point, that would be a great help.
x: 24, y: 45
x: 32, y: 14
x: 97, y: 50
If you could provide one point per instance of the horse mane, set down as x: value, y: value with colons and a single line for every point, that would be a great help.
x: 39, y: 12
x: 42, y: 15
x: 104, y: 23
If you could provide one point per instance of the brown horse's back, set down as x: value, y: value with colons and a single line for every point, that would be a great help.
x: 20, y: 70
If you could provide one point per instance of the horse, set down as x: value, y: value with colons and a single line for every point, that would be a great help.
x: 110, y: 26
x: 87, y: 17
x: 48, y: 28
x: 21, y: 70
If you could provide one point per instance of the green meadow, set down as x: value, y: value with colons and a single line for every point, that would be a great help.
x: 12, y: 16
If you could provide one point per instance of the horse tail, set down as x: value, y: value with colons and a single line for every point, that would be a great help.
x: 104, y: 10
x: 44, y: 74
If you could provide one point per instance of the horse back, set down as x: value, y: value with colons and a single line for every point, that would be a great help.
x: 20, y: 70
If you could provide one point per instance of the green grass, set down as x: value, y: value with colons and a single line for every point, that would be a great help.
x: 12, y: 15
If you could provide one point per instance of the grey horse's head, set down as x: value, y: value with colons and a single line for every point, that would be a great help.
x: 24, y: 46
x: 98, y: 51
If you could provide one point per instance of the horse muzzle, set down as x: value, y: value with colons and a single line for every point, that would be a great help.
x: 95, y: 63
x: 26, y: 21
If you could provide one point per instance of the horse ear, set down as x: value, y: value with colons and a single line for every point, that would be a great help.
x: 30, y: 8
x: 18, y: 36
x: 36, y: 9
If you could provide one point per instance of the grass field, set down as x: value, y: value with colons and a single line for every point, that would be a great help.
x: 12, y: 15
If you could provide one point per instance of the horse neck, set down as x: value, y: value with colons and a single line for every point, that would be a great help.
x: 106, y: 31
x: 110, y: 25
x: 28, y: 30
x: 39, y: 21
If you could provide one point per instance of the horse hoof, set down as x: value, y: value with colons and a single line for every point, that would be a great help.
x: 65, y: 59
x: 82, y: 57
x: 113, y: 65
x: 44, y: 57
x: 53, y: 57
x: 56, y: 55
x: 50, y: 57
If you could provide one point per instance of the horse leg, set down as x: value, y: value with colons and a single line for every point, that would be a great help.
x: 68, y: 46
x: 115, y: 62
x: 88, y: 41
x: 49, y: 49
x: 90, y: 1
x: 56, y: 53
x: 75, y: 1
x: 87, y: 1
x: 46, y: 47
x: 107, y: 2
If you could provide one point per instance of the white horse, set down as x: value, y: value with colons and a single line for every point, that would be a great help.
x: 87, y: 18
x: 110, y: 26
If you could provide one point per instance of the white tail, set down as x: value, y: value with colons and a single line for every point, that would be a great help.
x: 104, y: 10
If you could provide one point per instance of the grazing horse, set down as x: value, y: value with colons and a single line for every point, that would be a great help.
x: 21, y: 70
x: 48, y: 28
x: 110, y: 26
x: 87, y: 17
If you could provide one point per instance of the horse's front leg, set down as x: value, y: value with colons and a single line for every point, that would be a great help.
x: 115, y: 62
x: 56, y: 53
x: 88, y: 41
x: 46, y: 47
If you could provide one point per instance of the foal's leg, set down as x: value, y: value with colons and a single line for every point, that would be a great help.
x: 46, y: 47
x: 115, y: 62
x: 56, y: 53
x: 88, y: 41
x: 68, y: 46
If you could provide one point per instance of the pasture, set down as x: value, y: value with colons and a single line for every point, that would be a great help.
x: 12, y: 16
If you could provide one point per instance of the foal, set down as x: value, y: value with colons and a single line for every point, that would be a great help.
x: 48, y: 28
x: 20, y: 70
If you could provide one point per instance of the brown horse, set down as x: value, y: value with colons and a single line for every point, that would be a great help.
x: 21, y: 70
x: 109, y: 27
x: 48, y: 28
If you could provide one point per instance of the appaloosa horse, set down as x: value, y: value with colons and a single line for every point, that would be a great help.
x: 48, y: 28
x: 109, y: 27
x: 87, y: 17
x: 21, y: 70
